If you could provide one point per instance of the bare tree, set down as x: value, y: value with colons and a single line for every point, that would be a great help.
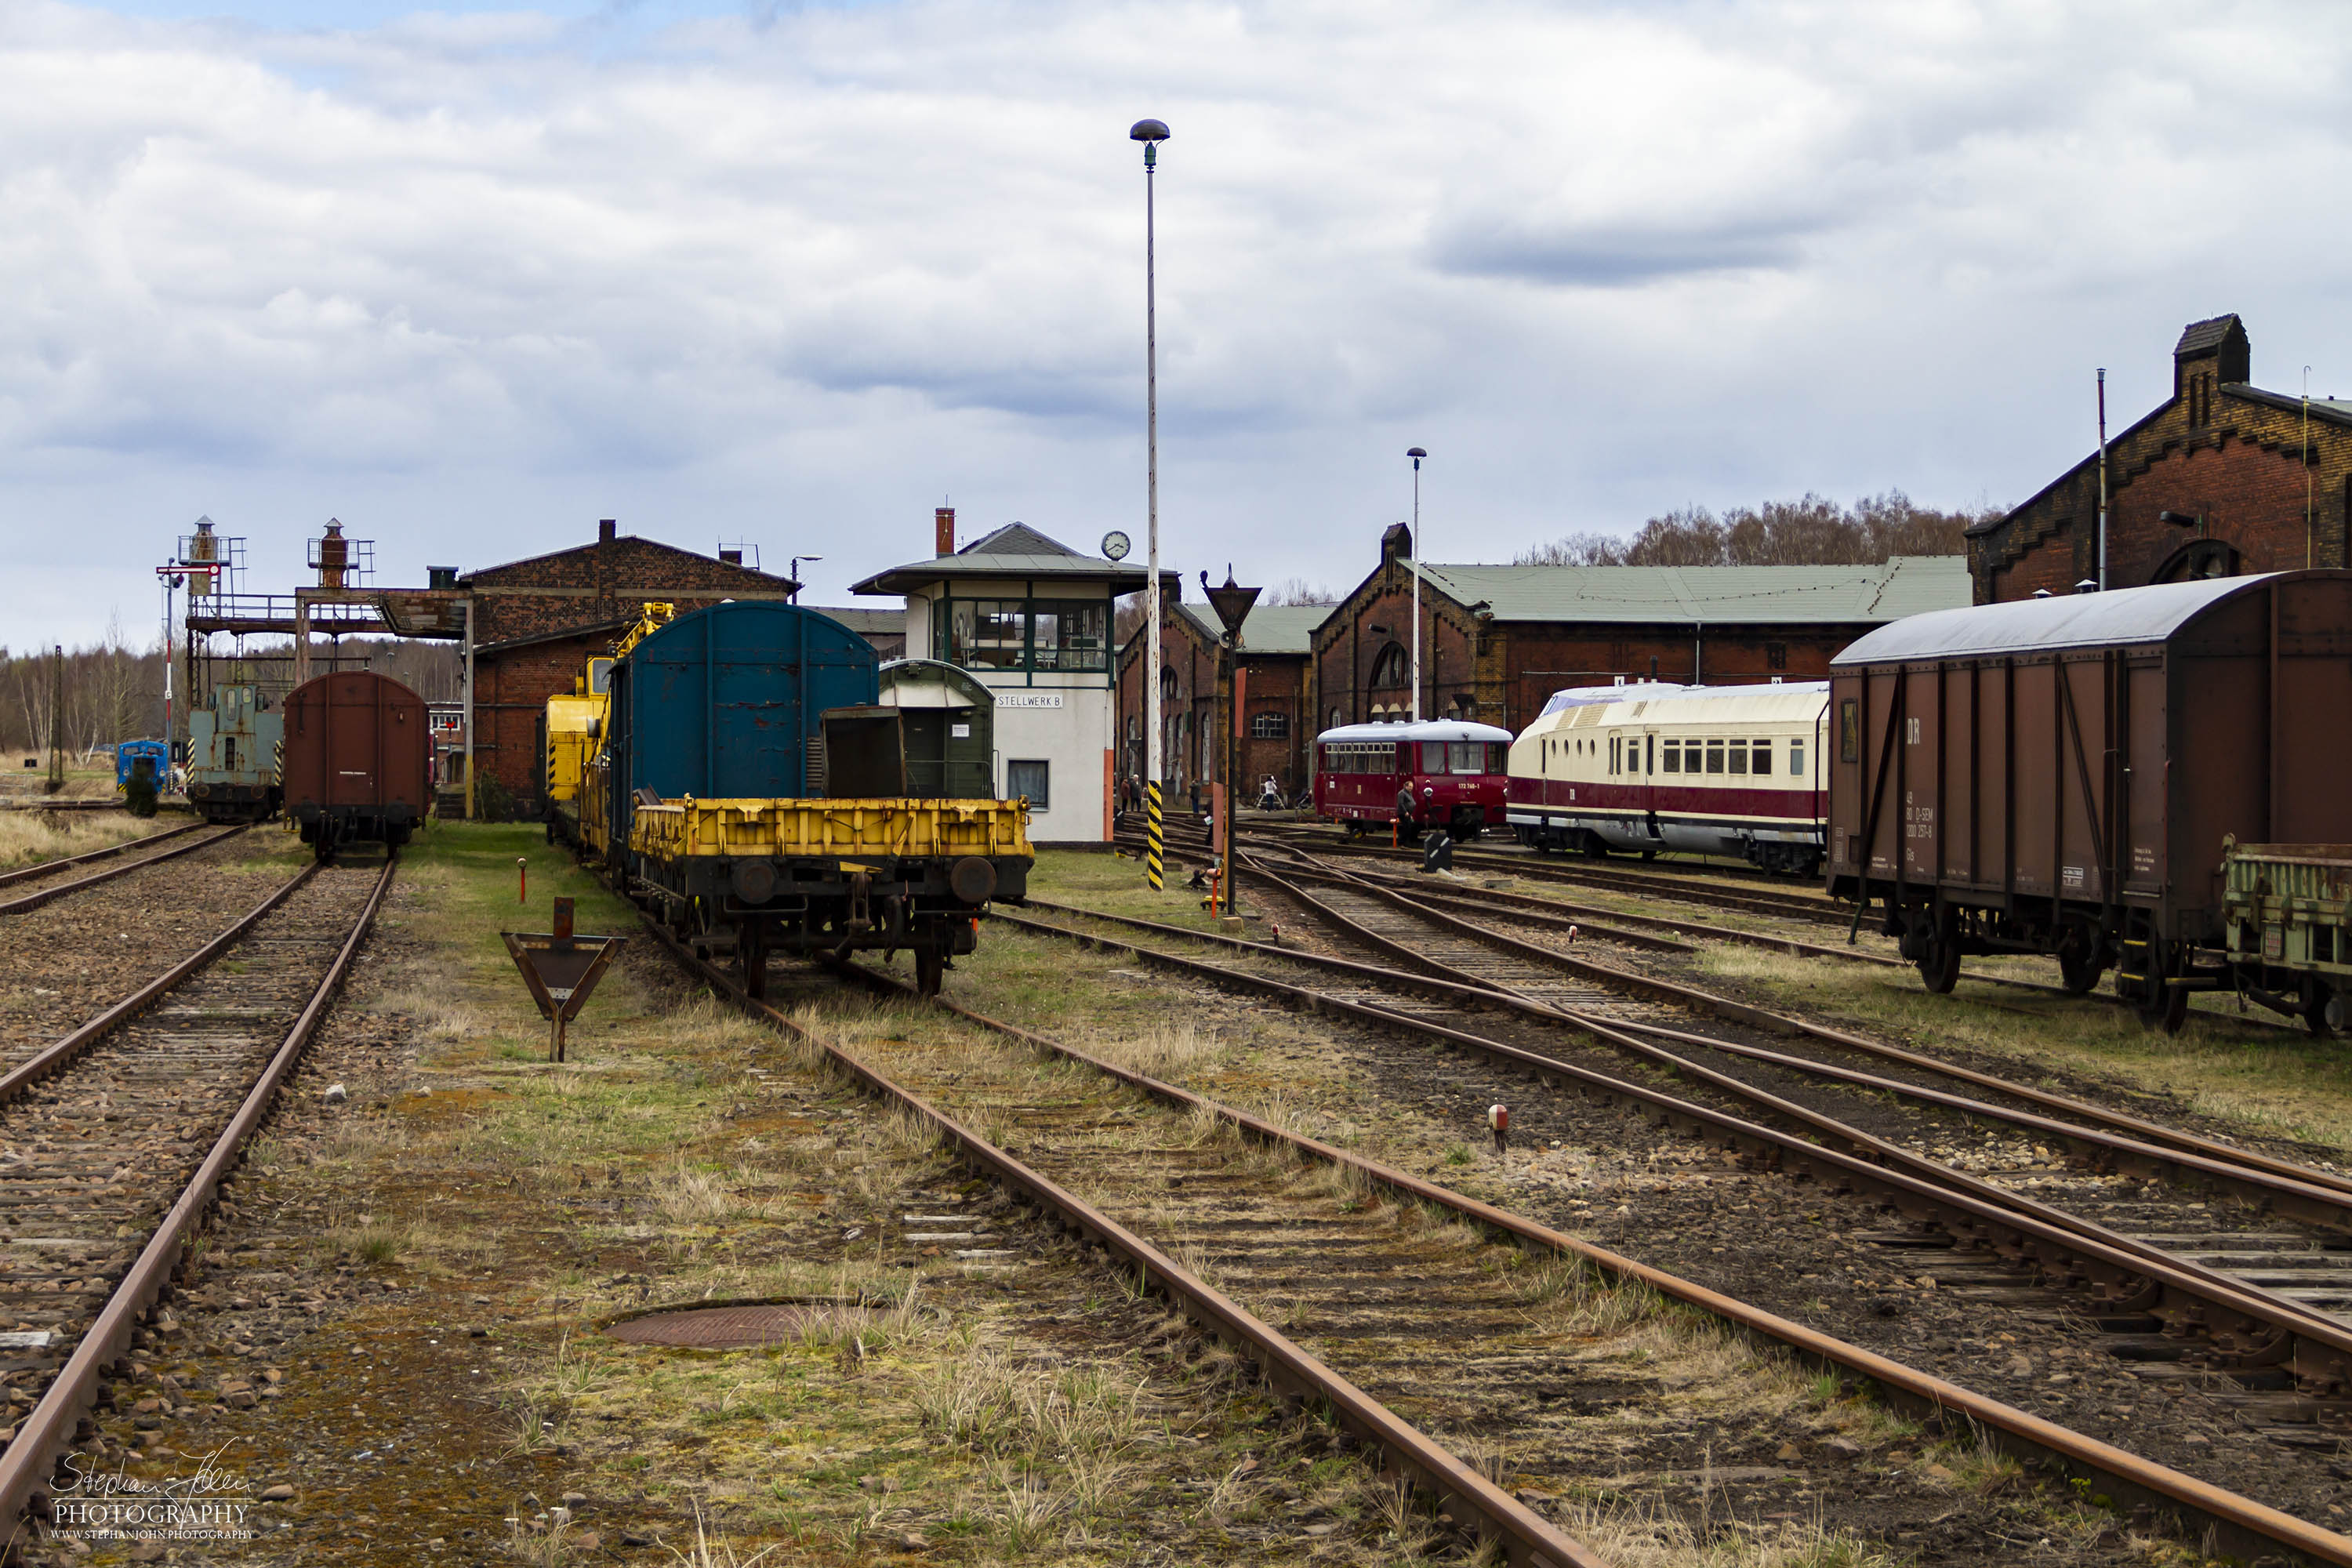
x: 1811, y: 530
x: 1299, y: 591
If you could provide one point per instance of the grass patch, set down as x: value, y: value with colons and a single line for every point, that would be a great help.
x: 28, y: 838
x: 2271, y: 1082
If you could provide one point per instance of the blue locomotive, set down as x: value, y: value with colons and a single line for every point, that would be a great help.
x: 142, y: 770
x: 751, y: 789
x: 237, y: 745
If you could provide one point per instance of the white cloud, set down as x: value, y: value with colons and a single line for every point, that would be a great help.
x: 471, y: 282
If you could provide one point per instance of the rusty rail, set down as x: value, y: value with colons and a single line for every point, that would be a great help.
x: 2246, y: 1322
x: 34, y: 900
x: 46, y: 867
x: 25, y: 1466
x: 2237, y: 1523
x: 1526, y: 1537
x: 66, y: 1047
x: 2183, y: 1145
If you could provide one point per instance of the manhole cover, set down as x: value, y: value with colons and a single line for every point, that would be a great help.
x: 720, y: 1328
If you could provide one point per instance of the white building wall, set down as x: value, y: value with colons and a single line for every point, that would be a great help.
x: 1063, y: 720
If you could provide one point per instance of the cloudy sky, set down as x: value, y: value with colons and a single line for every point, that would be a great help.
x: 470, y: 278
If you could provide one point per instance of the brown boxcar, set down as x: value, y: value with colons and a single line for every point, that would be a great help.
x: 358, y: 760
x: 2060, y: 775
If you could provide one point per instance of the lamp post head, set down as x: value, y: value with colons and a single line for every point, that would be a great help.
x: 1150, y: 132
x: 1416, y: 454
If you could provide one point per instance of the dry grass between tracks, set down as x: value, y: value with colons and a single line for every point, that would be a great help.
x: 472, y: 1216
x: 2264, y: 1081
x: 30, y: 836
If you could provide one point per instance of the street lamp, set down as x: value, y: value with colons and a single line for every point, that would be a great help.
x: 1232, y: 607
x: 1151, y: 132
x: 1416, y: 454
x: 795, y: 574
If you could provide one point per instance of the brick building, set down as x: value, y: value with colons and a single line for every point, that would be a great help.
x: 1278, y: 705
x: 1496, y: 641
x: 539, y: 619
x: 2222, y: 477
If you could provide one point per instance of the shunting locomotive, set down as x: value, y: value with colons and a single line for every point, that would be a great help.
x: 237, y: 745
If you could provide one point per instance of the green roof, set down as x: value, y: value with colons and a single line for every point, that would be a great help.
x: 1907, y: 586
x: 1271, y: 629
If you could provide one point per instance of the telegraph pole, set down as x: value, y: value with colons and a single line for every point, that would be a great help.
x: 1151, y: 132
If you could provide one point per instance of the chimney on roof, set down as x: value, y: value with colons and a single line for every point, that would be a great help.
x: 606, y: 527
x: 943, y: 524
x: 2217, y: 348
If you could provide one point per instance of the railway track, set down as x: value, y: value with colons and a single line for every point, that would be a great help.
x: 24, y: 903
x: 1058, y: 1136
x: 2164, y: 1279
x: 115, y: 1140
x: 1675, y: 886
x: 1508, y: 962
x: 1396, y: 1344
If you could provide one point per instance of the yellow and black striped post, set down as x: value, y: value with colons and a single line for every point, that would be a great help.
x: 1155, y: 838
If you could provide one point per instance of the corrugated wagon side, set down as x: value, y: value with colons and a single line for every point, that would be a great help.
x: 2060, y: 775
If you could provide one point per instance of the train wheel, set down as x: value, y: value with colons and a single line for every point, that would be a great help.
x: 1939, y: 956
x: 1595, y: 847
x: 2081, y: 961
x: 2160, y: 1006
x: 2319, y: 1007
x: 1939, y: 967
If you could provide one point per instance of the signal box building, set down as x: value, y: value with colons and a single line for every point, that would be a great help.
x: 1498, y: 641
x: 1030, y: 619
x: 2222, y: 479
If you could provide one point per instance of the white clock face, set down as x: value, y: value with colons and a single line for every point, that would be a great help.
x: 1116, y: 545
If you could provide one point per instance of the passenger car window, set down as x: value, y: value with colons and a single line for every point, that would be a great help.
x: 1796, y: 759
x: 1715, y: 756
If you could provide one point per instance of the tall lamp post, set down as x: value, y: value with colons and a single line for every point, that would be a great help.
x: 1151, y: 132
x: 1416, y: 454
x: 1232, y: 607
x: 795, y: 574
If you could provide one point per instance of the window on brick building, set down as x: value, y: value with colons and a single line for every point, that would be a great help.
x: 1269, y: 726
x: 1776, y: 656
x: 1392, y: 667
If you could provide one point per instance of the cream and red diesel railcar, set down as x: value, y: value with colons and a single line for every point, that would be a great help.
x: 1651, y: 767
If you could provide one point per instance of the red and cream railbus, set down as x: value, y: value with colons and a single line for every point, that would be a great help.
x: 1715, y: 770
x: 1457, y: 771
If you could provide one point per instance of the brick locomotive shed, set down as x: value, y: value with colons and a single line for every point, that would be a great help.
x: 2253, y: 481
